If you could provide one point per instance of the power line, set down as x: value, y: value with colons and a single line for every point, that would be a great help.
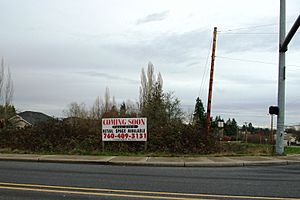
x: 236, y: 33
x: 246, y: 60
x: 253, y: 27
x: 241, y: 30
x: 254, y: 61
x: 204, y: 77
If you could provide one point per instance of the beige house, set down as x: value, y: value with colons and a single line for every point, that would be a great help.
x: 289, y: 139
x: 18, y: 122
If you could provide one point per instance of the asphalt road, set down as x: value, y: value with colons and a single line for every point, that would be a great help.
x: 31, y: 180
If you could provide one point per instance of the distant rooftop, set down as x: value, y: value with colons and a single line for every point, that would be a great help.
x: 34, y: 117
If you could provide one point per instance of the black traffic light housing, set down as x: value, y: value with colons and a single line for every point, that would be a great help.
x: 273, y: 110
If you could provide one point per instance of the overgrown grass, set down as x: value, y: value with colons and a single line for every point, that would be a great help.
x: 225, y: 149
x: 245, y: 149
x: 292, y: 150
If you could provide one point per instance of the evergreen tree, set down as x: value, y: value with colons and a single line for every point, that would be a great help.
x: 251, y: 129
x: 230, y: 127
x: 199, y: 114
x: 235, y: 126
x: 123, y: 109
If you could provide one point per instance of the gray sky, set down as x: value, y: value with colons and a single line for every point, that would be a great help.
x: 63, y: 51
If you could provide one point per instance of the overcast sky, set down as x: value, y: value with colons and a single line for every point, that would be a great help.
x: 63, y: 51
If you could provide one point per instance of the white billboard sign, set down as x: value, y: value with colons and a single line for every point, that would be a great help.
x: 124, y: 129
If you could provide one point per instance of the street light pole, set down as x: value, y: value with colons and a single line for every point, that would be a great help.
x: 281, y: 83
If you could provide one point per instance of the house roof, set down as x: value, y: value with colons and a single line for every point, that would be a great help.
x: 34, y: 117
x: 17, y: 119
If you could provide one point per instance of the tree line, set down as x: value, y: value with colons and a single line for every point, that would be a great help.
x: 168, y: 129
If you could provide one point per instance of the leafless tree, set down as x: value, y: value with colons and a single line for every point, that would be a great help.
x: 76, y: 110
x: 107, y: 102
x: 143, y: 88
x: 1, y: 78
x: 8, y: 89
x: 150, y: 77
x: 97, y: 109
x: 132, y: 107
x: 148, y: 83
x: 114, y: 101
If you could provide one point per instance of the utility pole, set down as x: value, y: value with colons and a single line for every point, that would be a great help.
x: 211, y: 79
x: 281, y: 83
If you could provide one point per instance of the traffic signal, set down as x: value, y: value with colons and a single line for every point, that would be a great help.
x: 273, y: 110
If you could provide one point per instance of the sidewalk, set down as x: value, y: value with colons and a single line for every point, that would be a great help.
x: 203, y: 161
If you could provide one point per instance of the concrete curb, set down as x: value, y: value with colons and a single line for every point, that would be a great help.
x: 214, y: 164
x: 293, y: 162
x: 265, y: 163
x: 150, y: 161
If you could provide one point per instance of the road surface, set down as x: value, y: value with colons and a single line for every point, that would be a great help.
x: 33, y: 180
